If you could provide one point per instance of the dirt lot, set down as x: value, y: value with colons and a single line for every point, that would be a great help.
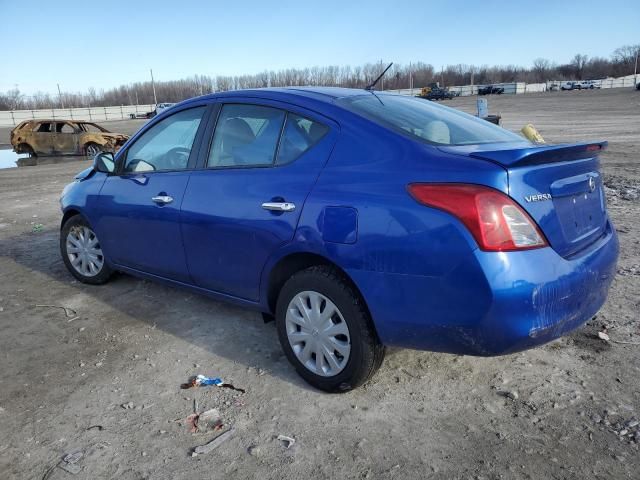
x: 104, y: 378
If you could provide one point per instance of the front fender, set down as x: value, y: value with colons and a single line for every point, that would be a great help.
x: 82, y: 197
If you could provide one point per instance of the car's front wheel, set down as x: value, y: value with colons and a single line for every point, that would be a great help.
x: 91, y: 149
x: 82, y: 253
x: 26, y: 148
x: 325, y: 330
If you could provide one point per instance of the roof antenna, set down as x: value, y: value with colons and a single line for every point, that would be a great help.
x: 373, y: 84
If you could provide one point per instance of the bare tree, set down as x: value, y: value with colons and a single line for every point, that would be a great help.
x: 541, y: 69
x: 418, y: 74
x: 578, y: 63
x: 624, y: 58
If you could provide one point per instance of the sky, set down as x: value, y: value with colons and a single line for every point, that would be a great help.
x: 110, y: 43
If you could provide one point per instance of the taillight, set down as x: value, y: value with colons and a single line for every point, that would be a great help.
x: 496, y: 222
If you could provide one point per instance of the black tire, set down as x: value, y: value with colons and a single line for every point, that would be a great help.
x: 367, y: 353
x: 103, y: 275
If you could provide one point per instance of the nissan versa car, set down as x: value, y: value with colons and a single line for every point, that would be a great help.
x: 358, y: 220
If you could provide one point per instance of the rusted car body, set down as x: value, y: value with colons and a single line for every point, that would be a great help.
x: 64, y: 137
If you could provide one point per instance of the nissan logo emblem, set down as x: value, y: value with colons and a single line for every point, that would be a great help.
x: 592, y: 184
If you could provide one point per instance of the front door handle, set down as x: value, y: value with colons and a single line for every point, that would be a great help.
x: 162, y: 199
x: 279, y: 206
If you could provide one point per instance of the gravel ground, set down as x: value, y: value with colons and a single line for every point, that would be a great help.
x: 103, y: 378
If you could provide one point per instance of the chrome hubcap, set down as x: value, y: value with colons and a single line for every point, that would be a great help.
x: 84, y: 252
x: 318, y: 334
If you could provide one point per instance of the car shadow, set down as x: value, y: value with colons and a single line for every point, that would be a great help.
x: 203, y: 322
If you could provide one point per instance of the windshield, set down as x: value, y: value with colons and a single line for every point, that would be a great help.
x: 92, y: 128
x: 426, y: 121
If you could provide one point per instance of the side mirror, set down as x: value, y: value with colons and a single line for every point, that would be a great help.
x: 103, y: 162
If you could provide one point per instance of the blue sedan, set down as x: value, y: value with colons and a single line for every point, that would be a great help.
x: 356, y: 219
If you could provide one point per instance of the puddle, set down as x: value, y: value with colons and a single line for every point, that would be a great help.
x: 10, y: 159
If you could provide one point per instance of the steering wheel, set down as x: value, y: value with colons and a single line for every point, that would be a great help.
x: 177, y: 157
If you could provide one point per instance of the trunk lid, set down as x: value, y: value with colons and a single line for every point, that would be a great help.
x: 560, y: 186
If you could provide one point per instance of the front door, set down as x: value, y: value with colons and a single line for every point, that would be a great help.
x: 246, y: 201
x: 139, y: 206
x: 65, y: 138
x: 42, y: 138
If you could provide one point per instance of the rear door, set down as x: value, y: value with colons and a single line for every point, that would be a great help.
x: 138, y: 216
x: 262, y: 161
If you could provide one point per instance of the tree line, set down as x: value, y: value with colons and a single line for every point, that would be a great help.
x: 416, y: 75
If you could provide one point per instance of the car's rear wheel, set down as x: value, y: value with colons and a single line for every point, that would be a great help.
x: 82, y: 253
x: 325, y: 330
x: 91, y: 150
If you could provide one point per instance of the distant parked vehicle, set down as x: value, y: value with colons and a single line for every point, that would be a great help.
x: 580, y: 85
x: 160, y: 107
x: 436, y: 93
x: 490, y: 90
x: 638, y: 86
x: 586, y: 85
x: 64, y: 137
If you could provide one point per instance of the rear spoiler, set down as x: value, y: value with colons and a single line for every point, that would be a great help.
x: 539, y: 154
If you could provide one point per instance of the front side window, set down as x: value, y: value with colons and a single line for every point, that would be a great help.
x: 167, y: 145
x: 426, y: 121
x: 246, y: 135
x: 299, y: 135
x: 44, y: 127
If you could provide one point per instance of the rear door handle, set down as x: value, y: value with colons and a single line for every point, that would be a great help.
x: 162, y: 199
x: 279, y: 206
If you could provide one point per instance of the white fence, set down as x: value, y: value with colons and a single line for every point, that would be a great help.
x: 92, y: 114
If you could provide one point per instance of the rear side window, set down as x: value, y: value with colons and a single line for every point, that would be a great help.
x: 44, y: 127
x: 246, y: 135
x: 426, y: 121
x: 299, y: 135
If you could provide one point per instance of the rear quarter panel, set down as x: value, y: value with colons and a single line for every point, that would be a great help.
x: 368, y: 173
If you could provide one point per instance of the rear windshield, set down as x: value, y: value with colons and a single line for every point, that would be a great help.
x: 426, y: 121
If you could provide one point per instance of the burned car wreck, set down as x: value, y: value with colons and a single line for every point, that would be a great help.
x: 64, y: 137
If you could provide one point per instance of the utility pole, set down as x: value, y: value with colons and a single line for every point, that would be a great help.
x: 60, y: 97
x: 411, y: 79
x: 153, y: 85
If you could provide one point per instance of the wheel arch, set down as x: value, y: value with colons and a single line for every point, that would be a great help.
x: 24, y: 143
x: 70, y: 212
x: 294, y: 262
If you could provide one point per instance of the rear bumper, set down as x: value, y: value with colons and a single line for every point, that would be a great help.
x: 492, y: 303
